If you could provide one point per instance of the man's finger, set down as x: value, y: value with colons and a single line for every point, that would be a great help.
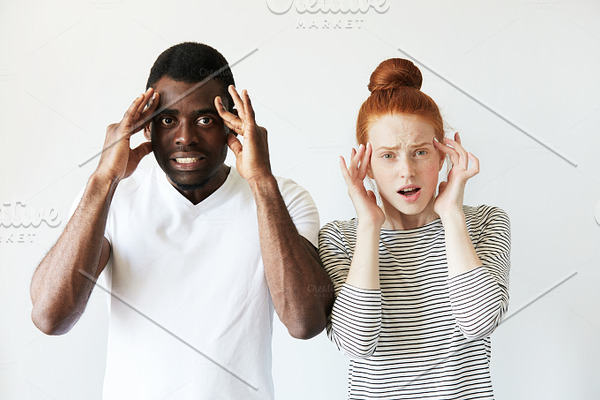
x: 231, y: 120
x: 132, y: 110
x: 234, y: 144
x: 248, y: 105
x: 141, y: 151
x: 237, y: 100
x: 147, y: 97
x: 148, y: 113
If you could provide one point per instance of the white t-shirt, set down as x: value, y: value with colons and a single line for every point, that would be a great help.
x: 196, y: 271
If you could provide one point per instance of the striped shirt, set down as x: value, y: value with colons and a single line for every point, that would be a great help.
x: 423, y: 335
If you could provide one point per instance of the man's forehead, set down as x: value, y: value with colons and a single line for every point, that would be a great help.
x: 177, y: 93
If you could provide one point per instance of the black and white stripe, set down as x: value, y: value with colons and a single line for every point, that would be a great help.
x: 423, y: 335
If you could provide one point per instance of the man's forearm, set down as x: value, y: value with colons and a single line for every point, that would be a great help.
x: 59, y: 291
x: 300, y: 288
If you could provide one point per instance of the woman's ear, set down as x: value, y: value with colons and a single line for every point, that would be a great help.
x: 370, y: 171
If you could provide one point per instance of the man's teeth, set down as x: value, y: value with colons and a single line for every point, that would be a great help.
x: 186, y: 160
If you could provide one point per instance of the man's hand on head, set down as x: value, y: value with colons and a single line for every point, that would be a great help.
x: 252, y: 158
x: 118, y: 160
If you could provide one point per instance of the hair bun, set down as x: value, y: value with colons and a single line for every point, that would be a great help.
x: 395, y: 73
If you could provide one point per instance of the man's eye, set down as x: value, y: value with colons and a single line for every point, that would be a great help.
x: 204, y: 121
x: 166, y: 121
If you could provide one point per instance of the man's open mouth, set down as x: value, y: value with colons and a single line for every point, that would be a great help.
x: 187, y: 160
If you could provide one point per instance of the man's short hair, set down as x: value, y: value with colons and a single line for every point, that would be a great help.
x: 192, y: 62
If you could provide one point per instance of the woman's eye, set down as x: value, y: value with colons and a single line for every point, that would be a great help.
x: 204, y: 121
x: 421, y: 153
x: 388, y: 155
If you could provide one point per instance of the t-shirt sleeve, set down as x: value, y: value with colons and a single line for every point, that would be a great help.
x: 302, y: 209
x: 479, y: 297
x: 355, y: 320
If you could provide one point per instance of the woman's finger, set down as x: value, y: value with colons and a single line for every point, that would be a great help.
x: 364, y: 162
x: 345, y: 172
x: 356, y: 156
x: 463, y: 160
x: 450, y: 151
x: 474, y: 170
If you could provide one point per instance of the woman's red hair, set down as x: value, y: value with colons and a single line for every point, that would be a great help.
x: 395, y: 88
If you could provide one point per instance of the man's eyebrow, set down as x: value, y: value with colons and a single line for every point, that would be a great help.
x: 204, y: 111
x: 172, y: 111
x: 169, y: 111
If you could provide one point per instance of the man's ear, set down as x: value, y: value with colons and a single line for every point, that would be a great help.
x: 148, y: 131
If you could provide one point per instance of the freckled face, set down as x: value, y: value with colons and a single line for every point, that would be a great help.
x: 188, y: 136
x: 404, y: 163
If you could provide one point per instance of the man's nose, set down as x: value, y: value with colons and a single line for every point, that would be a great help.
x: 186, y: 134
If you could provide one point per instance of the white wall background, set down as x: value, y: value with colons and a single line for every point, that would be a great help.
x: 69, y: 68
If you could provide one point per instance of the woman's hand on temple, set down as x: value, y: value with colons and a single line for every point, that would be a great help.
x: 451, y: 192
x: 354, y: 174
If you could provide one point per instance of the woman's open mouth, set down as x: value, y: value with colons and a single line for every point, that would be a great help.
x: 410, y: 193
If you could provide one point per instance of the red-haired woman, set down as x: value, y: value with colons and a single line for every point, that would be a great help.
x: 422, y: 280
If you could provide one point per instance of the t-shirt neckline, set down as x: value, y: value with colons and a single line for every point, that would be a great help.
x: 217, y: 195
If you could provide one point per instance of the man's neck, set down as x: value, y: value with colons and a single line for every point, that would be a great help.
x: 214, y: 182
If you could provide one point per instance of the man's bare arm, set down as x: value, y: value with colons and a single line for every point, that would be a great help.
x: 301, y: 290
x: 60, y: 288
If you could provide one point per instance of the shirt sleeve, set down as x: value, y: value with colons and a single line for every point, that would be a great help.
x: 302, y: 209
x: 479, y: 298
x: 355, y: 320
